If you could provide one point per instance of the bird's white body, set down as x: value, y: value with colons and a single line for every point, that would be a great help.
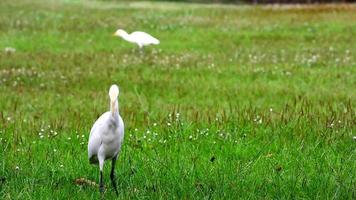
x: 106, y: 137
x: 138, y: 37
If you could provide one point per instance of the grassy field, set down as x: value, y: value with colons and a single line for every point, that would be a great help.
x: 236, y: 102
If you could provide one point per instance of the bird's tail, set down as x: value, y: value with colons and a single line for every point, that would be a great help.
x: 156, y: 41
x: 114, y: 93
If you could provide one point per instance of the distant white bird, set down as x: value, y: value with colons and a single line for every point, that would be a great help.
x: 140, y: 38
x: 106, y: 137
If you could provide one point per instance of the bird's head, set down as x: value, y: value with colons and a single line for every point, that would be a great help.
x: 120, y: 33
x: 114, y: 92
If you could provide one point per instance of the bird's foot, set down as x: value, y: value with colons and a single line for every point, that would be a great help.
x: 101, y: 189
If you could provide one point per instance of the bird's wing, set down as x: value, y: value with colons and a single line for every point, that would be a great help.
x: 95, y: 137
x: 144, y: 38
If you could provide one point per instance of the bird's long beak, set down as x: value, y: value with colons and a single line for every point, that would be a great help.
x: 113, y: 107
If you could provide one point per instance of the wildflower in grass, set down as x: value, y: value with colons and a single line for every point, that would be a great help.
x: 9, y: 50
x: 69, y: 138
x: 54, y: 150
x: 190, y: 137
x: 168, y: 124
x: 41, y: 136
x: 17, y: 168
x: 8, y: 118
x: 61, y: 166
x: 354, y: 138
x: 83, y: 136
x: 154, y: 124
x: 136, y: 129
x: 270, y: 109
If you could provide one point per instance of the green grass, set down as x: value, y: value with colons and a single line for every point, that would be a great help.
x: 265, y: 96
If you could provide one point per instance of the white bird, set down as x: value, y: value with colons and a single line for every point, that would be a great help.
x: 106, y: 138
x: 138, y: 37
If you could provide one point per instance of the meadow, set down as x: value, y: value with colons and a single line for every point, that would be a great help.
x: 236, y: 102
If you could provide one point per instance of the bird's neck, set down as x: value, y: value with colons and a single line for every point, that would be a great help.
x: 127, y: 37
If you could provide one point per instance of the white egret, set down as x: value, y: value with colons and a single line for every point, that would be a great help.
x: 138, y: 37
x: 106, y: 137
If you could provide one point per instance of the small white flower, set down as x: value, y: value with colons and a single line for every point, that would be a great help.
x: 190, y: 137
x: 148, y: 131
x: 144, y: 137
x: 154, y: 124
x: 69, y: 138
x: 83, y: 136
x: 168, y: 124
x: 61, y: 166
x: 10, y: 50
x: 354, y: 138
x: 55, y: 133
x: 54, y: 150
x: 42, y: 129
x: 136, y: 129
x: 41, y: 136
x: 270, y: 109
x: 17, y: 167
x: 8, y: 118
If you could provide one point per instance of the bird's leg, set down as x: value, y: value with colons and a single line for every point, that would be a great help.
x: 101, y: 181
x: 112, y: 175
x: 140, y: 50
